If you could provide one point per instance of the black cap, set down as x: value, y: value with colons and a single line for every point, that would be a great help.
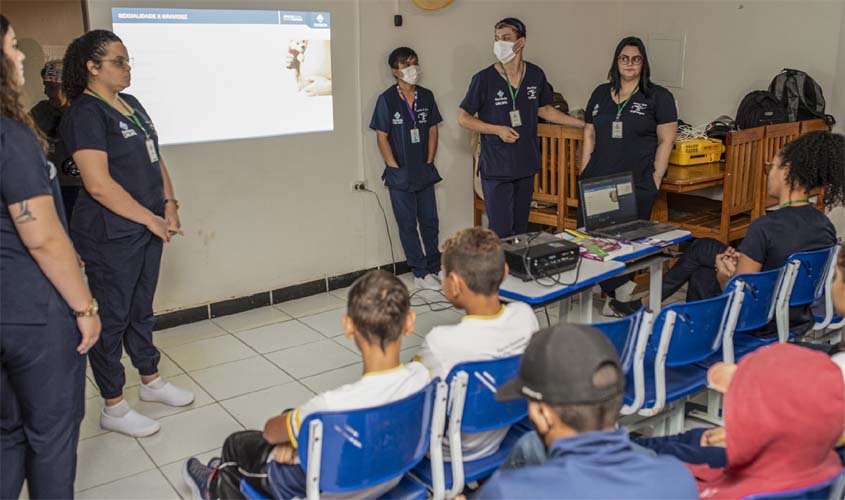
x: 558, y: 366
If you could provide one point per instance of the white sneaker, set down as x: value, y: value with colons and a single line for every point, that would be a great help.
x: 170, y: 395
x: 132, y: 424
x: 426, y: 283
x: 625, y: 293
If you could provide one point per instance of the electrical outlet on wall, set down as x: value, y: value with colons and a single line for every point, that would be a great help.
x: 359, y: 186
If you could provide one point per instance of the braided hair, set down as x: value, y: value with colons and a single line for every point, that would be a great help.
x: 91, y: 46
x: 817, y: 159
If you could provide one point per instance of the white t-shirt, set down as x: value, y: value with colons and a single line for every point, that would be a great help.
x: 373, y: 389
x: 478, y: 338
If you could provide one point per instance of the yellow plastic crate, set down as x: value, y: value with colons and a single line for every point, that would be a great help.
x: 696, y: 151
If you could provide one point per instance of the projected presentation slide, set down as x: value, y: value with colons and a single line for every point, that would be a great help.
x: 214, y: 75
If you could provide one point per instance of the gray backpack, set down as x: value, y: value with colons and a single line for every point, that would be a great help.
x: 801, y: 95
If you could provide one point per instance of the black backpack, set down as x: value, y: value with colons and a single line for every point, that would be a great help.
x: 801, y: 95
x: 759, y: 108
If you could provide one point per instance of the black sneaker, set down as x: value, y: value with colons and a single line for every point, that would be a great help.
x: 622, y: 309
x: 197, y: 476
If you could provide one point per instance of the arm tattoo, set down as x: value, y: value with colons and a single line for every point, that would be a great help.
x: 25, y: 215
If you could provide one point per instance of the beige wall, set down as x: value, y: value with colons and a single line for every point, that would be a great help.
x: 837, y: 105
x: 266, y: 213
x: 44, y: 29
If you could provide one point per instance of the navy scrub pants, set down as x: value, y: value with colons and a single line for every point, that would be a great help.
x: 507, y: 203
x: 122, y: 274
x: 42, y: 402
x: 412, y: 208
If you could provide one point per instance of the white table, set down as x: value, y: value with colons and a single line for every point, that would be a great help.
x: 592, y: 272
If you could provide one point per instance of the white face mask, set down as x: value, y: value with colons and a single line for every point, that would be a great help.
x: 411, y: 74
x: 504, y: 51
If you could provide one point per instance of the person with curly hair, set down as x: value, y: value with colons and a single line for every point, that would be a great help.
x: 125, y: 213
x: 813, y: 160
x: 48, y: 317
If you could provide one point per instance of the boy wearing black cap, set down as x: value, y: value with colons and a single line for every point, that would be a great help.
x: 574, y: 385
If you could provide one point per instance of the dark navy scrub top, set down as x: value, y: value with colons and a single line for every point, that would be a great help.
x: 489, y: 97
x: 636, y: 150
x: 393, y: 117
x: 90, y: 123
x: 25, y: 292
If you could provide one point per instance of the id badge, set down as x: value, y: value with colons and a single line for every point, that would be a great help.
x: 415, y: 135
x: 617, y: 130
x: 516, y: 121
x: 151, y: 150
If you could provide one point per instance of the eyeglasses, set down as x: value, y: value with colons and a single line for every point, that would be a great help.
x: 635, y: 60
x: 122, y: 61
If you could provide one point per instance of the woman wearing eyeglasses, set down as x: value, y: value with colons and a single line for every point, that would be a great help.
x: 630, y: 127
x: 122, y: 218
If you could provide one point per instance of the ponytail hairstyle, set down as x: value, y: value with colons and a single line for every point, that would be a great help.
x: 817, y: 160
x: 10, y: 89
x: 91, y: 46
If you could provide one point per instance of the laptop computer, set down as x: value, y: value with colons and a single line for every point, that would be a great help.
x: 610, y: 209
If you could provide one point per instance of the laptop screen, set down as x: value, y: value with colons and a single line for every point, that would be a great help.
x: 608, y: 200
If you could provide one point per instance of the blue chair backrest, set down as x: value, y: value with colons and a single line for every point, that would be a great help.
x: 623, y: 335
x: 758, y: 303
x: 698, y: 330
x: 821, y: 491
x: 481, y: 410
x: 366, y: 447
x: 809, y: 284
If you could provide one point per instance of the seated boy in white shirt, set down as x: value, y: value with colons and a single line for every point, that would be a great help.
x: 378, y: 316
x: 474, y: 266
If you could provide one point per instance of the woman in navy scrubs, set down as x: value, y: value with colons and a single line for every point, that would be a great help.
x: 631, y: 125
x: 508, y: 97
x: 125, y: 212
x: 42, y: 345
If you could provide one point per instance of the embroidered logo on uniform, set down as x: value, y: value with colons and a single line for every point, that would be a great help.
x: 638, y: 108
x: 397, y: 119
x: 532, y: 92
x: 52, y: 170
x: 596, y: 110
x: 422, y: 116
x: 127, y: 132
x: 500, y: 99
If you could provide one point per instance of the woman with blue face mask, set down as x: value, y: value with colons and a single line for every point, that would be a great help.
x: 503, y: 104
x: 405, y: 120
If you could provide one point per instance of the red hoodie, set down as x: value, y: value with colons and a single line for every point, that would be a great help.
x: 784, y: 411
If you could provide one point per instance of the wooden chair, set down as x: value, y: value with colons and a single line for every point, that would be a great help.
x: 774, y: 138
x: 555, y: 196
x: 743, y: 165
x: 811, y: 125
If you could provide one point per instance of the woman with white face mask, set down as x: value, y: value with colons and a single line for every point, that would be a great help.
x: 503, y: 104
x: 405, y: 120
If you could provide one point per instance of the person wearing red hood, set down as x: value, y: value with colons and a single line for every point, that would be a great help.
x: 780, y: 431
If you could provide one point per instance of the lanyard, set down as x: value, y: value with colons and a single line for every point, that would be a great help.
x: 411, y: 110
x: 519, y: 85
x: 133, y: 117
x: 793, y: 202
x: 621, y: 106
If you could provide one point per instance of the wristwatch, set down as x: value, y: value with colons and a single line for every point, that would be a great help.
x: 92, y: 310
x: 171, y: 200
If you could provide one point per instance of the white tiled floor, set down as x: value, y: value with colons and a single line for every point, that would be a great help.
x: 243, y: 369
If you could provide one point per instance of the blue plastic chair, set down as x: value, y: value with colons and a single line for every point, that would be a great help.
x: 629, y: 335
x: 810, y: 283
x: 685, y: 334
x: 823, y: 313
x: 473, y: 408
x: 829, y: 489
x: 352, y: 450
x: 761, y: 291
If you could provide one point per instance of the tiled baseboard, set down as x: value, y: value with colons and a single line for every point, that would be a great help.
x: 262, y: 299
